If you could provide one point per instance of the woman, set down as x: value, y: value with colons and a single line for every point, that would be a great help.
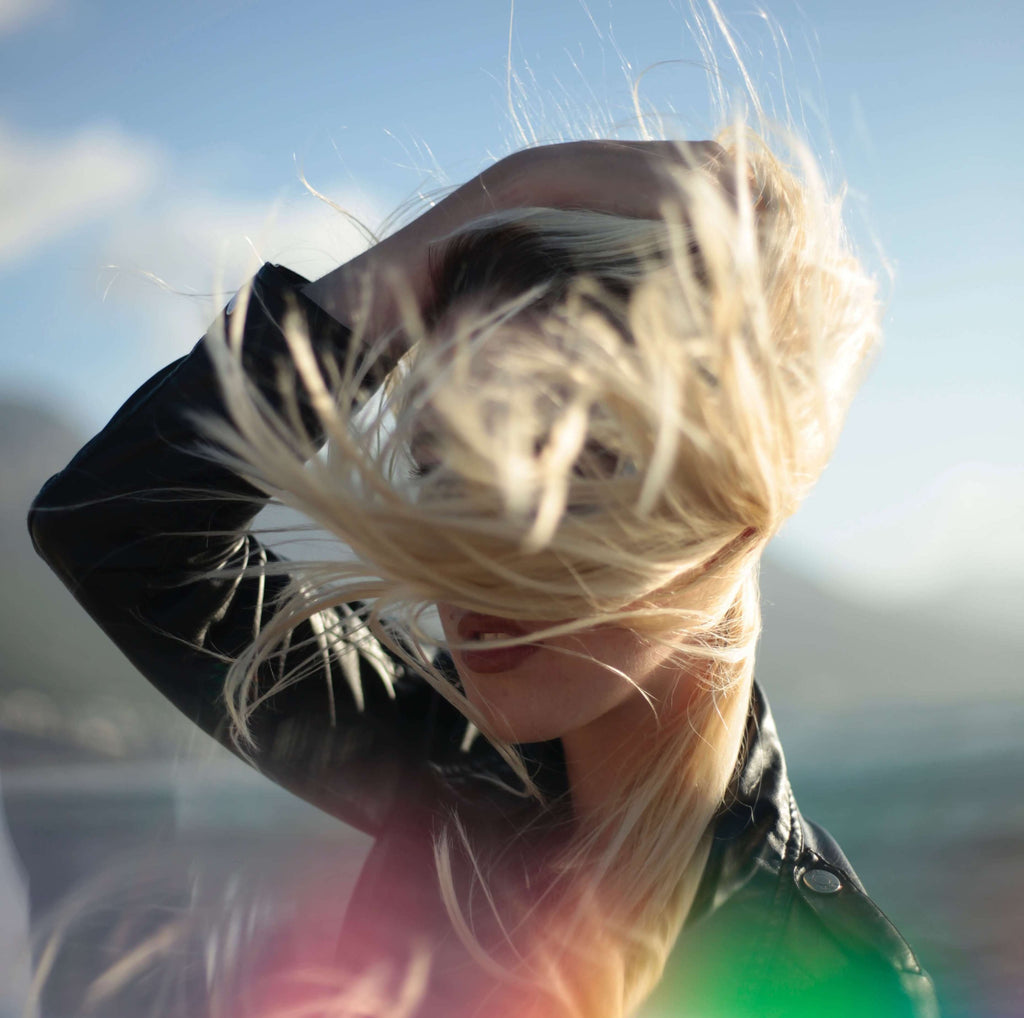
x: 613, y: 369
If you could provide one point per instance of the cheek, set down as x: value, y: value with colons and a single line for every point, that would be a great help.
x: 615, y: 653
x: 571, y: 682
x: 561, y: 689
x: 640, y: 665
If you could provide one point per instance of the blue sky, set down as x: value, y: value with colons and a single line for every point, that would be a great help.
x: 167, y: 140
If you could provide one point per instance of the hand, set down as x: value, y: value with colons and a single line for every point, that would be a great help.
x: 626, y: 178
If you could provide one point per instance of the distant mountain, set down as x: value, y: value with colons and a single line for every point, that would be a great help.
x: 61, y: 680
x: 842, y: 652
x: 33, y: 440
x: 855, y: 686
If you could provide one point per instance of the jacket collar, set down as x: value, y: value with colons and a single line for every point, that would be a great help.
x: 756, y: 829
x: 757, y: 826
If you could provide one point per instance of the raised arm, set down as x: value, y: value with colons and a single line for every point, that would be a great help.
x: 151, y: 536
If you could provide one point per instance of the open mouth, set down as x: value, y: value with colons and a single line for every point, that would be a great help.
x: 473, y: 627
x: 476, y: 628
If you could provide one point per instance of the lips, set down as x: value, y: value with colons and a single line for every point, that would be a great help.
x: 474, y: 627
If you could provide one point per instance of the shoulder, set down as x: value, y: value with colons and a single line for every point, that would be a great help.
x: 782, y: 927
x: 798, y: 940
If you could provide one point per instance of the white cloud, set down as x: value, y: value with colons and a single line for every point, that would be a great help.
x: 142, y: 228
x: 206, y: 245
x: 50, y: 187
x: 193, y: 241
x: 15, y: 14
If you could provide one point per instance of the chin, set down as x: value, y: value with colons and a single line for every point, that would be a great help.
x: 506, y: 728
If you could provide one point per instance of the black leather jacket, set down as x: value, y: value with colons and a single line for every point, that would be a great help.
x: 781, y: 924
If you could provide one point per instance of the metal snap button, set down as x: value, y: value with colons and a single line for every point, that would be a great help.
x: 822, y: 881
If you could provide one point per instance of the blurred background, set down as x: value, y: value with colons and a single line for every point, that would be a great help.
x: 152, y: 156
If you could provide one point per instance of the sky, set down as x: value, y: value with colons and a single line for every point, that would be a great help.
x: 152, y: 155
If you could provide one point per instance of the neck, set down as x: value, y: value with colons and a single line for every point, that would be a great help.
x: 606, y: 755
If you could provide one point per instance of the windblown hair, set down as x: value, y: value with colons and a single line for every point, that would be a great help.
x: 608, y: 419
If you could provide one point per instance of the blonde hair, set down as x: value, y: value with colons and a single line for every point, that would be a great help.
x: 620, y: 414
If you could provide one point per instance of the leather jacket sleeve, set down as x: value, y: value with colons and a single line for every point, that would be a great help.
x: 150, y: 534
